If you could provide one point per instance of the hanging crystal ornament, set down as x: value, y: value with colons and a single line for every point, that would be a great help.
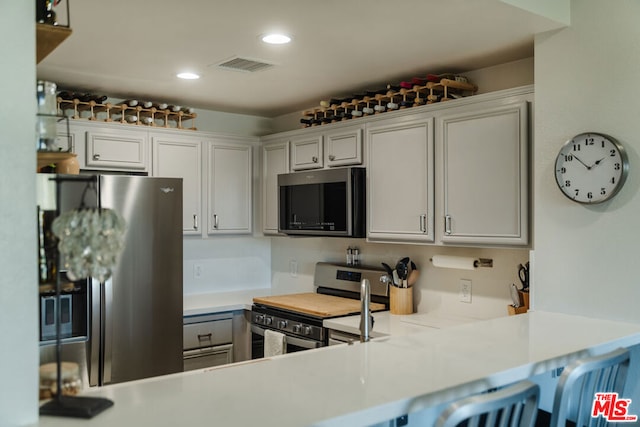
x: 91, y: 240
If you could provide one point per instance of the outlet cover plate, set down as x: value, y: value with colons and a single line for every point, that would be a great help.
x: 465, y: 290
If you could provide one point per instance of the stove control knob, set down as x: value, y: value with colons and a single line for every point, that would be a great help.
x: 260, y: 318
x: 268, y: 320
x: 282, y: 324
x: 306, y: 330
x: 297, y: 328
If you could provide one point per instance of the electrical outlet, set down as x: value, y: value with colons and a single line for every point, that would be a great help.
x: 465, y: 290
x: 293, y: 268
x: 197, y: 271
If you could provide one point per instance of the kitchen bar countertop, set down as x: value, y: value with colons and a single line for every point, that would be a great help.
x: 218, y: 302
x: 360, y: 384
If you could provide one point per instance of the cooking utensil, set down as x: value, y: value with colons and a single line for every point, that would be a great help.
x: 515, y: 296
x: 396, y: 278
x: 388, y: 268
x: 413, y: 277
x: 523, y: 273
x: 402, y: 273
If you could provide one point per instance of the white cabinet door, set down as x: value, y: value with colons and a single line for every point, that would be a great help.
x: 306, y: 152
x: 117, y: 149
x: 181, y: 157
x: 229, y: 190
x: 344, y: 147
x: 400, y: 179
x: 275, y: 160
x: 485, y: 174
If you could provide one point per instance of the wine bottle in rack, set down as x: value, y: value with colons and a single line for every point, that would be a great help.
x: 145, y: 104
x: 174, y: 108
x: 161, y: 106
x: 66, y: 95
x: 307, y: 121
x: 130, y: 102
x: 188, y: 110
x: 99, y: 99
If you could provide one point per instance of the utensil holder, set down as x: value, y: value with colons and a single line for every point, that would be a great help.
x: 524, y: 297
x: 401, y: 300
x: 516, y: 310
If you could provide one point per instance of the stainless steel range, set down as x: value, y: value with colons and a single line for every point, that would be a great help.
x: 300, y: 316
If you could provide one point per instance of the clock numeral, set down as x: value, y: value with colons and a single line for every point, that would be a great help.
x: 577, y: 192
x: 563, y: 170
x: 616, y: 166
x: 603, y: 191
x: 567, y: 183
x: 568, y: 158
x: 612, y: 153
x: 589, y: 195
x: 576, y: 147
x: 589, y: 141
x: 613, y: 180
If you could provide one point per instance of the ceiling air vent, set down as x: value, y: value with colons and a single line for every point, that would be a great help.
x: 245, y: 64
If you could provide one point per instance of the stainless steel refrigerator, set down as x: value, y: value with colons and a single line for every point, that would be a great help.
x: 131, y: 325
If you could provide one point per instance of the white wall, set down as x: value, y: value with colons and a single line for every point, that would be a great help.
x: 18, y: 283
x: 437, y: 288
x: 587, y: 80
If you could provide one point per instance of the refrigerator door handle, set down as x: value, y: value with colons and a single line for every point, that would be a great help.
x: 95, y: 333
x: 107, y: 322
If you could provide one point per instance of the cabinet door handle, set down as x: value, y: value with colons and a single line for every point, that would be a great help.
x: 423, y: 223
x: 202, y: 337
x: 195, y: 222
x: 314, y: 159
x: 447, y: 224
x: 332, y: 157
x: 96, y: 157
x: 215, y: 221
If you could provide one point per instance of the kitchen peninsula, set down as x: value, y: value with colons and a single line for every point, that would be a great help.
x: 362, y: 384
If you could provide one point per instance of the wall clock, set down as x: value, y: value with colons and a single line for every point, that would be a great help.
x: 591, y: 168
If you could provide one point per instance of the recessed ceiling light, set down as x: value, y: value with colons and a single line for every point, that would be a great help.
x: 276, y: 38
x: 188, y: 76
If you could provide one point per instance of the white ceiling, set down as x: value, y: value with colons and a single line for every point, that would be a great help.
x: 126, y: 48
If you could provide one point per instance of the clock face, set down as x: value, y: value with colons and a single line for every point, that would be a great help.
x: 591, y: 168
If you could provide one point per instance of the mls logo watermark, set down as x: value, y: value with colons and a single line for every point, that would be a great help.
x: 612, y: 408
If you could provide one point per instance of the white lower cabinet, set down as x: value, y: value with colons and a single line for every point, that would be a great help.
x: 275, y: 160
x: 177, y: 156
x: 207, y: 341
x: 400, y: 179
x: 484, y: 197
x: 229, y: 188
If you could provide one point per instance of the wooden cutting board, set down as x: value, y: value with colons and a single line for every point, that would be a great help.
x: 318, y: 305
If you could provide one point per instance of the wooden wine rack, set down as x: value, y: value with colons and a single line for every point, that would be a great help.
x: 125, y: 114
x: 432, y: 92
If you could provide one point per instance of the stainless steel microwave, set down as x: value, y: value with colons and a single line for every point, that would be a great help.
x: 327, y: 202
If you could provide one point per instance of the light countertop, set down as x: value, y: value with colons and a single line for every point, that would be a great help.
x: 387, y: 324
x: 218, y: 302
x: 361, y: 384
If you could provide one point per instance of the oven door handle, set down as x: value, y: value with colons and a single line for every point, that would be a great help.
x: 298, y: 342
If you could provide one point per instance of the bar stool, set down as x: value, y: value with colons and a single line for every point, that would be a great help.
x: 579, y: 383
x: 514, y: 406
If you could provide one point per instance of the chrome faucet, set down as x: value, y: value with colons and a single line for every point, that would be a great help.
x: 366, y: 320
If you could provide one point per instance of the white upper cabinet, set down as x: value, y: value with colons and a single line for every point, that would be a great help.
x: 275, y: 160
x: 181, y: 157
x: 344, y: 147
x: 117, y: 149
x: 229, y: 188
x: 400, y: 179
x: 307, y: 152
x: 484, y: 192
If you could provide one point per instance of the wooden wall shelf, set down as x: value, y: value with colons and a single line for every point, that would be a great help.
x: 49, y: 37
x: 46, y: 158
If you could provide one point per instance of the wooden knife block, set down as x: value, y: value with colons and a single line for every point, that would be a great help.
x: 401, y: 300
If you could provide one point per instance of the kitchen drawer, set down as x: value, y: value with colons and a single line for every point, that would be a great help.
x: 207, y: 357
x: 207, y: 334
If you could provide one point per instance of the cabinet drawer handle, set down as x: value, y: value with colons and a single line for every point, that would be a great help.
x: 314, y: 159
x: 332, y: 157
x: 195, y: 222
x: 96, y: 157
x: 202, y: 337
x: 423, y: 223
x: 215, y: 221
x: 447, y: 224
